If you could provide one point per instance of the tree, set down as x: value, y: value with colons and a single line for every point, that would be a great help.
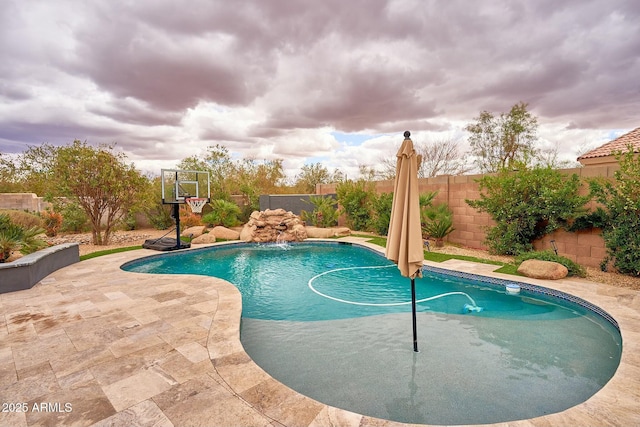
x: 35, y: 171
x: 8, y: 175
x: 103, y: 184
x: 526, y: 205
x: 621, y: 232
x: 501, y: 142
x: 441, y: 157
x: 221, y: 169
x: 310, y: 176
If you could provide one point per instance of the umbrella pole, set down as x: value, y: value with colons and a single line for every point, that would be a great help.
x: 413, y: 310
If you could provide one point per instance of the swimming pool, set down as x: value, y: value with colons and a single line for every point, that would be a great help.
x: 522, y: 356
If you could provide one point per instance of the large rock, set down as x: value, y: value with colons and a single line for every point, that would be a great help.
x: 196, y: 231
x: 225, y: 233
x: 275, y: 225
x: 325, y: 233
x: 537, y: 269
x: 204, y: 239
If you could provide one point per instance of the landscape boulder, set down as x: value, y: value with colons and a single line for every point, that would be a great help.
x: 224, y: 233
x: 325, y: 233
x: 196, y: 231
x: 538, y: 269
x: 204, y: 239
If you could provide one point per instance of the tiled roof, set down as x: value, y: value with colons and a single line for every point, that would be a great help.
x: 618, y: 144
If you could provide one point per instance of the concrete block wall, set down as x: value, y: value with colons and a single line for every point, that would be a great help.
x: 584, y: 247
x: 22, y: 201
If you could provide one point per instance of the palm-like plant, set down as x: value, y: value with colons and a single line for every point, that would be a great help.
x: 13, y: 237
x: 437, y: 223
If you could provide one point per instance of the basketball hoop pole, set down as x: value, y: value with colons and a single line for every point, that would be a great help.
x: 176, y: 215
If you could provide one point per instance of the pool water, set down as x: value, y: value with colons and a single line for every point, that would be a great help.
x: 333, y: 322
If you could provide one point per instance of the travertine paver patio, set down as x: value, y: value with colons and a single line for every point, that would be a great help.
x: 94, y: 345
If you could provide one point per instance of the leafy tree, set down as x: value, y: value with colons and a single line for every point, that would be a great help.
x: 35, y: 171
x: 220, y: 166
x: 526, y: 205
x: 255, y: 178
x: 8, y: 175
x: 622, y: 202
x: 504, y: 141
x: 101, y: 182
x: 310, y: 176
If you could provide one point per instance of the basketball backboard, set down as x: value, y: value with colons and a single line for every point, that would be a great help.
x: 180, y: 184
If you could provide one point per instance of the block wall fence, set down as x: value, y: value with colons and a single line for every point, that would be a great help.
x: 585, y: 247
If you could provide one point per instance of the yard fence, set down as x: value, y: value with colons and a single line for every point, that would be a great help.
x: 584, y: 247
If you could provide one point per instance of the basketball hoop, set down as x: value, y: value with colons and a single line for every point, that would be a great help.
x: 195, y: 203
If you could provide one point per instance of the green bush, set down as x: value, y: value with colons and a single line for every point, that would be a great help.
x: 356, y: 199
x: 224, y: 213
x: 324, y: 214
x: 382, y: 207
x: 621, y: 199
x: 526, y: 205
x: 596, y: 219
x: 574, y: 268
x: 74, y: 218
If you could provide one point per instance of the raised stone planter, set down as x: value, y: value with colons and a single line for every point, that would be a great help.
x: 25, y: 272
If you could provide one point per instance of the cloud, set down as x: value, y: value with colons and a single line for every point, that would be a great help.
x: 277, y: 78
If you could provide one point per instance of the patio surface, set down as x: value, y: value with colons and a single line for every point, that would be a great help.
x: 92, y: 345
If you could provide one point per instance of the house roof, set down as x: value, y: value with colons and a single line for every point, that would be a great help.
x: 617, y: 145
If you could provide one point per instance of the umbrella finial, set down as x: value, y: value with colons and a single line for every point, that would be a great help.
x: 407, y: 134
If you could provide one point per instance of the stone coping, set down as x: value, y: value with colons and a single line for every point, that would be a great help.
x: 126, y: 348
x: 28, y: 270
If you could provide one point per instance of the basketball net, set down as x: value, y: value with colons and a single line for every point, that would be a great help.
x: 196, y: 204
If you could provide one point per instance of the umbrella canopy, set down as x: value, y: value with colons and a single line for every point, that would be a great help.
x: 404, y: 240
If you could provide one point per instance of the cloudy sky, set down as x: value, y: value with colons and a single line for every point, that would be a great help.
x: 336, y: 81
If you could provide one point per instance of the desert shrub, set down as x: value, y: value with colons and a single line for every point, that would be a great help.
x: 159, y: 216
x: 223, y: 213
x: 526, y: 205
x: 129, y: 221
x: 22, y: 218
x: 325, y: 212
x: 189, y: 219
x: 621, y: 200
x: 574, y: 268
x: 356, y: 200
x: 52, y: 222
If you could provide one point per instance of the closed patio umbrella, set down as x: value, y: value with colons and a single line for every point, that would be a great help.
x: 404, y: 240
